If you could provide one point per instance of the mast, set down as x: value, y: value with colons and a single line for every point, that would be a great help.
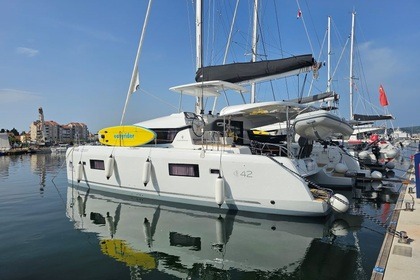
x: 198, y: 32
x: 329, y: 56
x: 199, y: 106
x: 351, y: 64
x: 329, y: 78
x: 135, y: 81
x: 254, y: 44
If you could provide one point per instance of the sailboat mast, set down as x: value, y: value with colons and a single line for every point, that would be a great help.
x: 351, y: 64
x: 329, y: 55
x: 198, y: 32
x: 135, y: 82
x: 198, y: 45
x: 254, y: 44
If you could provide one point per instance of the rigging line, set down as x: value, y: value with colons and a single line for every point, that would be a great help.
x: 364, y: 84
x: 265, y: 53
x: 192, y: 49
x: 249, y: 30
x: 306, y: 30
x: 280, y: 41
x: 311, y: 85
x: 341, y: 56
x: 312, y: 20
x: 303, y: 86
x: 159, y: 99
x: 218, y: 27
x: 226, y: 51
x: 322, y: 45
x: 59, y: 194
x: 59, y: 170
x: 210, y: 26
x: 278, y: 28
x: 337, y: 33
x: 52, y: 180
x: 230, y: 32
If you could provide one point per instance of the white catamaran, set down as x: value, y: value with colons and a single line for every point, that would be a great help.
x: 212, y: 160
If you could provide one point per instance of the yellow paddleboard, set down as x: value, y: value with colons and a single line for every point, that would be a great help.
x: 125, y: 136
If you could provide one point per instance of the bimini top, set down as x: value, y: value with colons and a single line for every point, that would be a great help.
x: 208, y: 88
x: 175, y: 120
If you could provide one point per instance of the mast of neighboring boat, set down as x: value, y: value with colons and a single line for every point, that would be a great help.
x: 227, y: 49
x: 329, y: 55
x: 254, y: 43
x: 351, y: 64
x: 198, y: 45
x: 329, y: 78
x: 135, y: 82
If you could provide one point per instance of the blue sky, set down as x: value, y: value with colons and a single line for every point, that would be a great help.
x: 74, y: 58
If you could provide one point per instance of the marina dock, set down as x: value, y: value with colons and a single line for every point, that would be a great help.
x: 399, y: 257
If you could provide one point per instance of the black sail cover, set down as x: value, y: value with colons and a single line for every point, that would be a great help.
x: 358, y: 117
x: 245, y: 71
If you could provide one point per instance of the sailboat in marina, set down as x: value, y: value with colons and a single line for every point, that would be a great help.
x: 208, y: 159
x: 374, y: 150
x: 4, y: 143
x: 311, y: 125
x: 327, y: 130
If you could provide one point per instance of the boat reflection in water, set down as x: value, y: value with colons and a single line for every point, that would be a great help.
x: 196, y: 243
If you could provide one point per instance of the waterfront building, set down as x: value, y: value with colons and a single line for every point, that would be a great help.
x: 52, y: 132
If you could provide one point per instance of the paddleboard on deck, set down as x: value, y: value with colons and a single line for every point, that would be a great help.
x: 125, y: 136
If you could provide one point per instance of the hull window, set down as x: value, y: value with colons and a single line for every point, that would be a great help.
x: 97, y: 164
x: 183, y: 240
x: 182, y: 169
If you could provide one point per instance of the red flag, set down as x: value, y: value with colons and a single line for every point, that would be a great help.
x: 382, y: 96
x: 299, y: 14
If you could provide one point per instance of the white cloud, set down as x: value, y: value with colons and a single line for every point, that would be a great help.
x: 14, y: 95
x: 27, y: 51
x: 97, y: 34
x: 380, y: 63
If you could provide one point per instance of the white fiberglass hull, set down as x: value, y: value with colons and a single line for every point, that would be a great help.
x: 328, y: 177
x: 252, y: 183
x: 329, y: 157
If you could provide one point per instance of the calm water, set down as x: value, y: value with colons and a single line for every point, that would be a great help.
x: 50, y: 230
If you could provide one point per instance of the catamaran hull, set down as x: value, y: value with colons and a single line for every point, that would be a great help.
x: 251, y: 183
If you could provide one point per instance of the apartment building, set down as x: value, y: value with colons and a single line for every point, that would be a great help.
x: 52, y: 132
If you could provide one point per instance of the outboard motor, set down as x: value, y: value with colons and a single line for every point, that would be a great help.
x: 376, y: 152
